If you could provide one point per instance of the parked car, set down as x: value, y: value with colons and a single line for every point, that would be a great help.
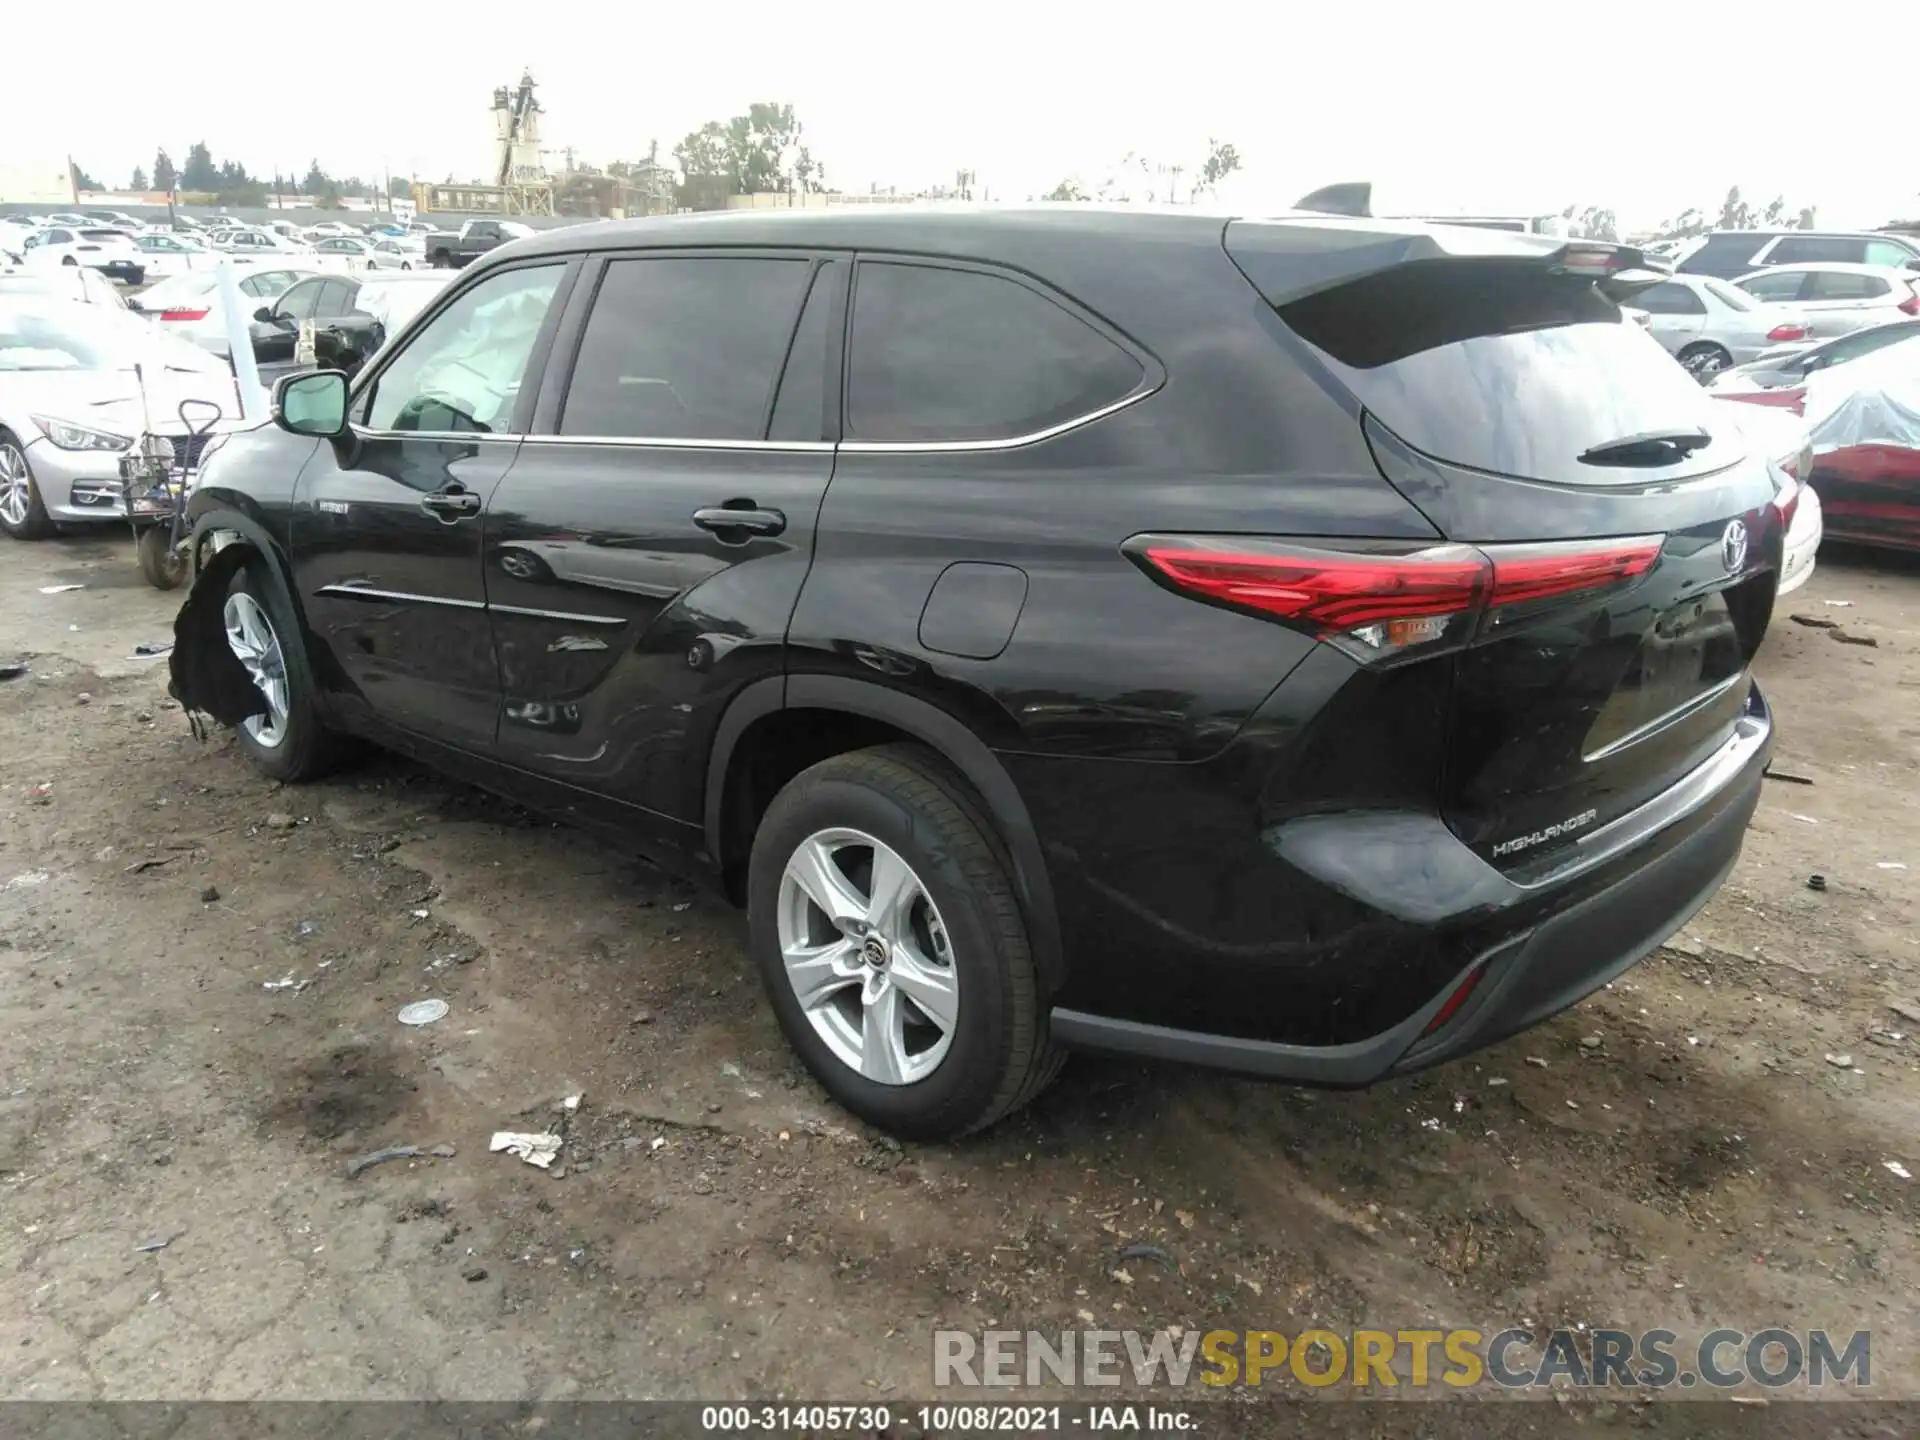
x: 259, y: 244
x: 406, y: 252
x: 69, y: 219
x: 1356, y: 749
x: 1708, y: 325
x: 331, y: 227
x: 1790, y: 365
x: 1732, y: 253
x: 188, y: 306
x: 64, y: 282
x: 453, y: 248
x: 1838, y: 299
x: 112, y: 252
x: 1864, y: 420
x: 165, y: 253
x: 70, y: 406
x: 118, y: 218
x: 1785, y: 439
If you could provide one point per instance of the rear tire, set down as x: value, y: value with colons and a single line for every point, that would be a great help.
x: 162, y: 565
x: 955, y: 939
x: 23, y: 515
x: 291, y: 744
x: 1704, y: 360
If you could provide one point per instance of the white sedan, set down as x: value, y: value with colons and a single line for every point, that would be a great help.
x: 166, y: 254
x: 102, y: 248
x: 70, y: 408
x: 355, y: 253
x: 188, y: 306
x: 1836, y: 298
x: 67, y: 282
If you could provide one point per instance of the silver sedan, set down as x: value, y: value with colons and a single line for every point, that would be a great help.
x: 1709, y: 325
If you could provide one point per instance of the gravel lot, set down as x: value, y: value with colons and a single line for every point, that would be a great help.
x: 1682, y: 1150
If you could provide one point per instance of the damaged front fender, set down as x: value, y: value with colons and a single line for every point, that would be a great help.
x: 207, y: 677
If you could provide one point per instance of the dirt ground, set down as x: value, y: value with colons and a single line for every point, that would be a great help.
x: 199, y: 1033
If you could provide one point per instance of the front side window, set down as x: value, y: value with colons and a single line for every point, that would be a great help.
x: 949, y: 355
x: 684, y: 348
x: 1885, y: 252
x: 299, y: 302
x: 462, y: 372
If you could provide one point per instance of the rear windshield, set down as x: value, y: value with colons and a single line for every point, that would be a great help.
x: 1733, y: 299
x: 1501, y: 367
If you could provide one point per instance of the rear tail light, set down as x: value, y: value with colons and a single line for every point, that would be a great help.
x: 1911, y: 305
x: 1786, y: 503
x: 1381, y: 605
x: 1788, y: 331
x: 177, y: 314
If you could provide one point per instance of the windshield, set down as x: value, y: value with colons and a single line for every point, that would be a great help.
x: 514, y: 229
x: 86, y: 337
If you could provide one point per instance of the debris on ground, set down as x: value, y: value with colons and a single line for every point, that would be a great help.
x: 1890, y: 865
x: 1591, y: 1042
x: 474, y: 1273
x: 1537, y: 1062
x: 424, y: 1012
x: 1803, y: 819
x: 1815, y: 622
x: 210, y: 894
x: 148, y: 649
x: 1146, y: 1250
x: 1899, y: 1171
x: 1788, y: 776
x: 361, y: 1164
x: 152, y: 862
x: 59, y: 589
x: 27, y: 879
x: 1905, y: 1009
x: 148, y: 1247
x: 1847, y: 638
x: 1816, y: 881
x: 289, y: 983
x: 280, y: 820
x: 1842, y: 1061
x: 1837, y: 604
x: 534, y: 1148
x: 12, y: 669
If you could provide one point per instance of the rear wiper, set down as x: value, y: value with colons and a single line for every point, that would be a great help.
x: 1656, y: 447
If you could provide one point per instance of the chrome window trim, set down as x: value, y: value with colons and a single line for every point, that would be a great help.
x: 670, y: 442
x: 1011, y: 442
x: 443, y: 436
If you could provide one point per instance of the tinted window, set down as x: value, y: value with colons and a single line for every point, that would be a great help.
x: 1799, y: 249
x: 943, y: 354
x: 300, y: 301
x: 684, y: 349
x: 1502, y: 369
x: 336, y: 299
x: 800, y: 412
x: 1728, y: 296
x: 1727, y: 255
x: 1785, y: 285
x: 462, y: 371
x: 1848, y: 287
x: 1670, y: 300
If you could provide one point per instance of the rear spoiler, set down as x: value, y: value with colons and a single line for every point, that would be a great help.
x: 1619, y: 271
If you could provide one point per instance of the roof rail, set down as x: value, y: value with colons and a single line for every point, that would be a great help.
x: 1349, y: 197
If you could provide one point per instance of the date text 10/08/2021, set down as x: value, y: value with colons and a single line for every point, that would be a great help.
x: 980, y: 1419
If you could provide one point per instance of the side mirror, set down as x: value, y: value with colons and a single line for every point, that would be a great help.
x: 264, y: 315
x: 1914, y: 264
x: 311, y: 404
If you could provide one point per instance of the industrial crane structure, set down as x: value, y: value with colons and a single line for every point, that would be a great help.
x: 521, y: 174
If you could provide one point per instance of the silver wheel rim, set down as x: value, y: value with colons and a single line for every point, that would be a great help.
x: 251, y: 638
x: 14, y: 492
x: 868, y: 957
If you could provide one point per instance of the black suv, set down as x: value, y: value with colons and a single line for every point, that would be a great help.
x: 1729, y: 254
x: 1313, y: 648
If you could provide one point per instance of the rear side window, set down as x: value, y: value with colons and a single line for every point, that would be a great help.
x: 1670, y: 300
x: 684, y: 348
x: 1503, y: 367
x: 1828, y: 286
x: 945, y: 355
x: 1783, y: 285
x: 801, y: 411
x: 1886, y: 252
x: 1802, y: 249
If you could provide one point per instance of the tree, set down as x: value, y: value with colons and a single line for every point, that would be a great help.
x: 163, y: 176
x: 1806, y: 220
x: 139, y: 180
x: 749, y: 154
x: 703, y: 154
x: 1592, y: 223
x: 1068, y: 189
x: 400, y: 187
x: 199, y: 172
x: 1735, y: 213
x: 1222, y: 160
x: 82, y: 180
x: 318, y: 182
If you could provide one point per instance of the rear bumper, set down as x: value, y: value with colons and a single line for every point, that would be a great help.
x: 1572, y: 931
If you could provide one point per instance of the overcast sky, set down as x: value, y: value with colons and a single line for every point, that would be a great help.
x: 1471, y: 106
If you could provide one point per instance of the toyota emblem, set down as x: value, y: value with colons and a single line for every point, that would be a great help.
x: 1733, y: 546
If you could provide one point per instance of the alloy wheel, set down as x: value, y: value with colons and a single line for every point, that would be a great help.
x: 15, y: 494
x: 251, y: 637
x: 868, y: 956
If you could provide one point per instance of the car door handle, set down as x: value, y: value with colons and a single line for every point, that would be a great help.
x: 452, y: 503
x: 718, y: 518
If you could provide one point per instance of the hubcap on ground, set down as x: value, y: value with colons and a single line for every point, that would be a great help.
x: 13, y: 485
x: 250, y: 636
x: 868, y: 957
